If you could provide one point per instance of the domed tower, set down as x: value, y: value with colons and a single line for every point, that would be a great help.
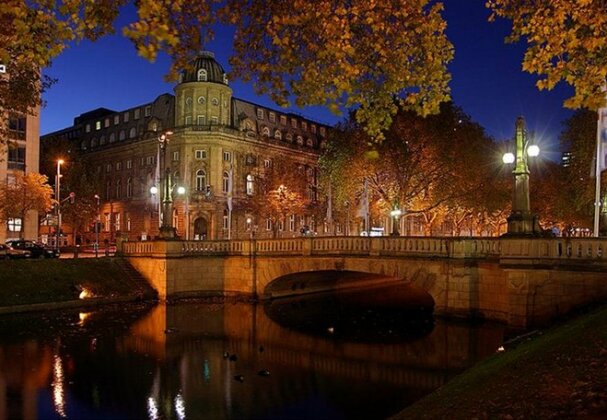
x: 203, y: 96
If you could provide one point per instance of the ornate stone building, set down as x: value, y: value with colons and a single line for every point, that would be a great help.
x: 19, y: 152
x: 218, y: 146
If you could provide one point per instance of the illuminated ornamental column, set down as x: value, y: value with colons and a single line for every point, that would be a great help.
x: 521, y: 222
x: 167, y: 231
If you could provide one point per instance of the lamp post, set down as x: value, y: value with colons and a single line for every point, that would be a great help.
x: 521, y: 222
x: 167, y: 230
x: 97, y: 221
x: 395, y: 215
x: 58, y: 198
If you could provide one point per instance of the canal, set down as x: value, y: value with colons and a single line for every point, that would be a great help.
x: 354, y: 354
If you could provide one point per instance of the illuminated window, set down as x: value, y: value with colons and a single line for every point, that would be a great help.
x: 98, y: 125
x: 250, y: 184
x: 117, y: 221
x: 201, y: 180
x: 268, y: 224
x: 15, y: 224
x: 292, y: 223
x: 175, y: 155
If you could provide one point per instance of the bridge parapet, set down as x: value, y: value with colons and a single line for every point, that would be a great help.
x: 551, y: 250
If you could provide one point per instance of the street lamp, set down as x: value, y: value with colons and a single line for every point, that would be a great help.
x: 58, y: 198
x: 97, y: 221
x: 396, y: 213
x: 521, y: 222
x: 167, y: 230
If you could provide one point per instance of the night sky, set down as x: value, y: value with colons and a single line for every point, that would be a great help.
x: 487, y: 80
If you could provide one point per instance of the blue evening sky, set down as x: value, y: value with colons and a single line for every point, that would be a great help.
x: 487, y: 80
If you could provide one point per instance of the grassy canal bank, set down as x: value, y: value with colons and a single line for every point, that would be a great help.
x: 557, y: 373
x: 37, y: 283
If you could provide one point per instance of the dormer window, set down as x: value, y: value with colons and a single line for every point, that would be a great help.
x: 225, y: 79
x: 265, y: 131
x: 289, y: 137
x: 202, y: 75
x: 277, y: 135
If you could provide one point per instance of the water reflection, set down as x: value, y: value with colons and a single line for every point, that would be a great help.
x: 168, y: 361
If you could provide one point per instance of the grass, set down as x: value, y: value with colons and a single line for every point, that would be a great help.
x: 26, y: 282
x: 559, y: 372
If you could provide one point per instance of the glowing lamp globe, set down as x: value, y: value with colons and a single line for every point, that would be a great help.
x: 533, y: 150
x: 180, y: 190
x: 154, y: 190
x: 508, y: 158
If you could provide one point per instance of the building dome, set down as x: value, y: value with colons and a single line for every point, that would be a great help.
x: 206, y: 69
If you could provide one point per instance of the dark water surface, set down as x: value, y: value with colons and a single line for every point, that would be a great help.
x: 364, y: 354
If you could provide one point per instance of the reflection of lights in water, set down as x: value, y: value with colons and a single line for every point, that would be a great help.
x: 83, y: 316
x: 57, y: 386
x: 85, y: 293
x: 180, y: 407
x: 152, y: 409
x: 206, y: 371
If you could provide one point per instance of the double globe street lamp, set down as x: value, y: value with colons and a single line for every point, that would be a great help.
x: 521, y: 221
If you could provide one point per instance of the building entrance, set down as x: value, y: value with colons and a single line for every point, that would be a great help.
x: 200, y: 229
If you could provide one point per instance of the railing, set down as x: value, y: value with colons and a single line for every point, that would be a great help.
x: 563, y: 249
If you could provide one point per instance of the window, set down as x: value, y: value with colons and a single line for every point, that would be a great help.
x: 227, y: 156
x: 175, y: 219
x: 201, y: 100
x: 107, y: 218
x: 272, y: 117
x: 15, y: 224
x: 150, y: 160
x: 101, y: 140
x: 147, y: 111
x: 125, y: 117
x: 202, y: 75
x: 118, y: 166
x: 106, y: 123
x: 259, y: 114
x: 108, y: 190
x: 225, y: 79
x: 225, y: 184
x: 201, y: 180
x: 117, y: 220
x: 188, y: 120
x: 129, y: 164
x: 112, y: 138
x: 200, y: 154
x: 313, y: 127
x: 215, y: 101
x: 292, y: 223
x: 132, y: 132
x: 98, y: 125
x: 289, y: 137
x: 265, y: 131
x: 268, y: 224
x: 108, y: 168
x: 304, y: 126
x: 281, y: 225
x: 87, y: 128
x: 201, y: 120
x: 225, y: 219
x: 118, y: 188
x: 127, y: 217
x: 310, y: 142
x: 277, y: 135
x: 300, y: 140
x: 283, y: 120
x: 175, y: 155
x: 136, y: 113
x: 250, y: 184
x: 129, y: 188
x: 267, y: 163
x: 322, y: 131
x: 214, y: 120
x: 116, y: 119
x: 122, y: 135
x: 294, y: 122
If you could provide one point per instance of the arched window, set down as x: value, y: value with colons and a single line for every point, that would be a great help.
x: 83, y: 145
x: 250, y: 184
x: 225, y: 219
x: 101, y: 140
x: 132, y: 132
x: 175, y: 218
x: 112, y: 138
x: 94, y: 142
x: 201, y: 180
x: 289, y: 137
x: 108, y: 189
x: 118, y: 188
x: 122, y: 135
x: 309, y: 142
x: 202, y: 75
x: 277, y: 135
x: 129, y: 188
x: 265, y: 131
x: 225, y: 185
x: 300, y: 140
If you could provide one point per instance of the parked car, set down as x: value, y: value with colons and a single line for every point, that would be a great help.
x: 8, y: 252
x: 37, y: 250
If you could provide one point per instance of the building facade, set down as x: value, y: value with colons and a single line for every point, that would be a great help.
x: 203, y: 139
x: 19, y: 153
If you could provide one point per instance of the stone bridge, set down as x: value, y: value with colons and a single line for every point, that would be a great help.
x: 521, y: 282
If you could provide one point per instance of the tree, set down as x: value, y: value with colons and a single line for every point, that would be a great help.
x: 567, y: 42
x: 28, y: 192
x: 281, y: 190
x: 338, y: 53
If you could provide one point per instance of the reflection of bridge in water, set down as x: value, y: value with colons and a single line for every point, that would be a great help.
x: 518, y: 281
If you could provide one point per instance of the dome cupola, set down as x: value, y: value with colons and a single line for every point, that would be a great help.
x: 205, y: 69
